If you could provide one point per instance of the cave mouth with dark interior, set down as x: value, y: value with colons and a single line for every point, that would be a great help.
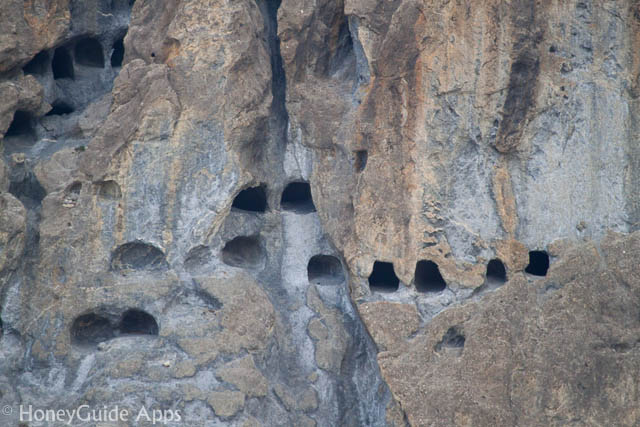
x: 62, y: 64
x: 252, y: 199
x: 38, y: 65
x: 117, y: 55
x: 428, y: 277
x: 538, y: 263
x: 360, y: 161
x: 59, y: 108
x: 243, y: 251
x: 138, y: 256
x: 383, y: 277
x: 138, y: 322
x: 296, y: 197
x: 325, y: 270
x: 89, y: 53
x: 21, y: 125
x: 90, y: 329
x: 496, y: 272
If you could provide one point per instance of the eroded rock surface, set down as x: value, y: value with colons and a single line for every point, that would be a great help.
x: 424, y: 138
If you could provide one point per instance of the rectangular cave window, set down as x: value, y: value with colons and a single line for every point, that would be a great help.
x: 360, y: 161
x: 383, y: 278
x: 89, y: 53
x: 62, y: 64
x: 496, y: 273
x: 118, y: 53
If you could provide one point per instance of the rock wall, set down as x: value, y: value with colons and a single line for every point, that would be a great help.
x: 347, y: 212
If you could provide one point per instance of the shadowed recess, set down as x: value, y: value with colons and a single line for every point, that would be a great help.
x: 28, y: 191
x: 383, y: 277
x: 243, y: 251
x: 39, y: 65
x: 538, y: 263
x: 138, y: 322
x: 138, y: 256
x: 59, y: 108
x: 428, y: 277
x: 21, y: 125
x: 496, y: 272
x: 62, y: 64
x: 252, y: 199
x: 296, y: 197
x: 453, y: 339
x: 118, y: 53
x: 325, y: 270
x: 88, y: 52
x: 109, y: 190
x: 360, y: 161
x: 197, y: 258
x: 91, y: 329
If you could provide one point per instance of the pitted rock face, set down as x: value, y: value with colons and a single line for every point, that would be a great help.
x: 351, y: 212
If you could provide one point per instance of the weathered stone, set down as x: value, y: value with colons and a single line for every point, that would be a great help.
x: 243, y: 374
x: 226, y: 403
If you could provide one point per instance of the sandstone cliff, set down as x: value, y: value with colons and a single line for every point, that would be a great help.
x: 345, y: 212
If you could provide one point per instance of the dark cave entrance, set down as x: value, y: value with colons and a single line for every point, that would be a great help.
x: 62, y: 64
x: 39, y: 65
x: 59, y: 108
x: 21, y: 125
x: 360, y: 161
x: 383, y: 277
x: 428, y: 277
x: 91, y: 329
x: 117, y: 56
x: 325, y: 270
x: 297, y: 197
x: 138, y: 322
x: 243, y: 251
x: 88, y: 52
x: 496, y: 272
x: 252, y: 199
x: 538, y: 263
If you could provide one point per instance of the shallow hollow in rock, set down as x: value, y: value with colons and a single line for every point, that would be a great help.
x: 138, y: 322
x: 538, y: 263
x: 138, y: 256
x: 59, y: 108
x: 428, y: 277
x: 325, y: 270
x: 88, y: 52
x: 91, y: 328
x: 243, y: 251
x: 296, y: 197
x: 253, y: 199
x: 383, y: 278
x: 496, y: 273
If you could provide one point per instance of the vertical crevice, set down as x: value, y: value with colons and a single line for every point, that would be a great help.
x: 278, y: 76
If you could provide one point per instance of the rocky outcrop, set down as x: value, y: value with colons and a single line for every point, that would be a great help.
x: 353, y: 212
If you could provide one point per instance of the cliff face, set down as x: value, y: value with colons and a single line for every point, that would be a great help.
x: 283, y: 212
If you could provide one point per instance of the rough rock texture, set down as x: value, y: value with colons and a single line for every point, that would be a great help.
x: 435, y: 136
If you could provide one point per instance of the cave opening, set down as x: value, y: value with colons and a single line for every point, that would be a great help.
x: 59, y: 108
x: 360, y: 161
x: 325, y: 270
x: 252, y: 199
x: 138, y: 255
x: 62, y: 64
x: 29, y: 191
x: 243, y: 251
x: 496, y: 272
x: 383, y: 277
x: 453, y: 339
x: 538, y: 263
x: 91, y: 329
x: 428, y: 277
x: 88, y: 52
x: 38, y: 65
x: 138, y: 322
x: 21, y: 125
x: 296, y: 197
x: 117, y: 55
